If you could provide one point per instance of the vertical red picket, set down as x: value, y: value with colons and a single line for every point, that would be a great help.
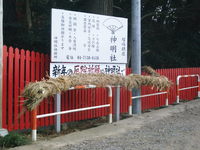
x: 73, y: 92
x: 66, y: 105
x: 10, y: 88
x: 45, y: 63
x: 27, y: 76
x: 96, y: 100
x: 174, y: 75
x: 84, y: 104
x: 5, y: 85
x: 186, y: 92
x: 70, y: 105
x: 121, y: 96
x: 33, y: 68
x: 90, y: 102
x: 38, y: 78
x: 106, y: 101
x: 75, y: 103
x: 51, y: 109
x: 16, y: 89
x: 113, y: 100
x: 93, y: 101
x: 80, y: 103
x: 89, y: 112
x: 41, y: 75
x: 163, y: 96
x: 22, y: 70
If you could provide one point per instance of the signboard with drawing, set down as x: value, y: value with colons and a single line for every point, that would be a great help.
x: 85, y: 37
x: 57, y: 69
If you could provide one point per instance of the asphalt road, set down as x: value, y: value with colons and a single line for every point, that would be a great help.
x: 173, y: 128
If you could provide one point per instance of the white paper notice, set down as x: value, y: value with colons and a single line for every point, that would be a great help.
x: 85, y: 37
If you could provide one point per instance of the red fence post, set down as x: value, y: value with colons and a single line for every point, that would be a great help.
x: 22, y: 84
x: 10, y: 88
x: 16, y: 89
x: 27, y: 76
x: 46, y: 63
x: 5, y: 86
x: 34, y: 124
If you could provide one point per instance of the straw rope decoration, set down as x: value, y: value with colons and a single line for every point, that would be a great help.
x: 37, y: 91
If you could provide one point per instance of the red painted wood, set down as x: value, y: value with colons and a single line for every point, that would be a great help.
x: 5, y: 86
x: 27, y: 80
x: 76, y: 104
x: 67, y: 105
x: 106, y: 101
x: 40, y: 60
x: 22, y: 84
x: 45, y: 63
x: 38, y: 78
x: 62, y: 106
x: 51, y: 110
x: 96, y: 101
x: 122, y: 104
x: 10, y: 88
x: 73, y: 103
x: 88, y: 103
x: 85, y: 104
x: 81, y: 96
x: 33, y: 59
x: 16, y: 89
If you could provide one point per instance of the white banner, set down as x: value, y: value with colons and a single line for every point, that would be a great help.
x: 85, y: 37
x: 57, y: 69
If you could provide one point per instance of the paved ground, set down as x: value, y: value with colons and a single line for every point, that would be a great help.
x: 173, y: 128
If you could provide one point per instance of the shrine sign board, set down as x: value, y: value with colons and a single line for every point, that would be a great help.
x: 85, y: 37
x: 57, y: 69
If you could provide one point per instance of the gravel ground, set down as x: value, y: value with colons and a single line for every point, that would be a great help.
x: 180, y: 131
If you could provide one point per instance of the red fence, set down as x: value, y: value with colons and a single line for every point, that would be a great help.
x: 21, y: 67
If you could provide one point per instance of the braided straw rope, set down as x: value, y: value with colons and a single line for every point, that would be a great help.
x: 37, y: 91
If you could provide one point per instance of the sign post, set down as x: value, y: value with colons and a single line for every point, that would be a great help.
x: 136, y: 50
x: 117, y: 103
x: 57, y: 98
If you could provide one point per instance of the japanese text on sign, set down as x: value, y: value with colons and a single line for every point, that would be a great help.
x: 85, y: 37
x: 57, y: 69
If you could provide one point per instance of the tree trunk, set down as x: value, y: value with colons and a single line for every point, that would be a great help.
x: 104, y: 7
x: 28, y: 14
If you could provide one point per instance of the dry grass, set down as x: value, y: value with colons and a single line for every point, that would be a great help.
x: 37, y: 91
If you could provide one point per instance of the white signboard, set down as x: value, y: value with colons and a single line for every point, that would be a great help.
x: 57, y: 69
x: 85, y: 37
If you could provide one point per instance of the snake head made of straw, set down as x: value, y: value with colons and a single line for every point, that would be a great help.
x: 34, y: 94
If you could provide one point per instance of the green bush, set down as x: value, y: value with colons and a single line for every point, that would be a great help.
x: 13, y: 139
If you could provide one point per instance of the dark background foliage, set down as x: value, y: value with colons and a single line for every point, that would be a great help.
x: 170, y: 28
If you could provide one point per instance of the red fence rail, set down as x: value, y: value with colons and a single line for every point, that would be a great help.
x: 21, y: 67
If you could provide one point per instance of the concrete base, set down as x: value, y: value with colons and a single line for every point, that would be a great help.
x: 3, y: 132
